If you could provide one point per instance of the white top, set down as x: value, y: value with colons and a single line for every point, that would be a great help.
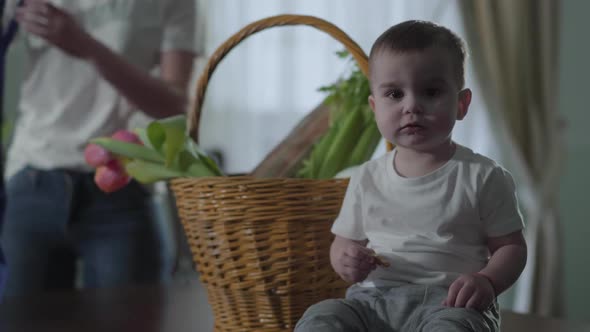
x: 65, y: 102
x: 431, y: 228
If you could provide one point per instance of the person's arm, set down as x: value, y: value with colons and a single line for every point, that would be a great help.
x: 478, y: 290
x: 508, y: 258
x: 157, y: 98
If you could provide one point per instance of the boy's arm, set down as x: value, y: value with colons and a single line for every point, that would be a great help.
x: 508, y: 258
x: 478, y: 290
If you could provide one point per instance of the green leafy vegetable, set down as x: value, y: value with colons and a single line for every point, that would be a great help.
x: 167, y: 152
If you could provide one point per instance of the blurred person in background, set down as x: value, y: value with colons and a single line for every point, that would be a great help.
x: 88, y: 72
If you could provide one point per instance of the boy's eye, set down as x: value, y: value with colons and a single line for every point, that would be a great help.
x: 396, y: 94
x: 433, y: 92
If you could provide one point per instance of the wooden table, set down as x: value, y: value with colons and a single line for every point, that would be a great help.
x: 161, y: 309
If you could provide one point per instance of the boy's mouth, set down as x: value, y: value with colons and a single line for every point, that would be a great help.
x: 413, y: 125
x: 412, y: 128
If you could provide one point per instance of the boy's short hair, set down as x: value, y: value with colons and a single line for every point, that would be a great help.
x: 415, y: 35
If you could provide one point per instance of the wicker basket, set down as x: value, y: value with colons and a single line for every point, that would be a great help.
x: 262, y: 245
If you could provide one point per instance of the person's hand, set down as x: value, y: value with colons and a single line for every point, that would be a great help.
x: 55, y: 26
x: 351, y: 260
x: 472, y: 291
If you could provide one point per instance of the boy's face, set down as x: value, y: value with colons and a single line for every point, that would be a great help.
x: 416, y: 99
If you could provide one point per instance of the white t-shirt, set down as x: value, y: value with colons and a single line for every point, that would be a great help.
x: 431, y: 228
x: 65, y: 102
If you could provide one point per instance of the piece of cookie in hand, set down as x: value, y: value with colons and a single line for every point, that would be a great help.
x: 381, y: 261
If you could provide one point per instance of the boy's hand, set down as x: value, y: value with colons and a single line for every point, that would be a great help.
x: 472, y: 291
x: 351, y: 259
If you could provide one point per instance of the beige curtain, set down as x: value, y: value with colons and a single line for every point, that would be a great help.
x: 514, y: 47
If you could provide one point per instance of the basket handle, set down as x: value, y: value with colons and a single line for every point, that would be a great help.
x: 252, y: 28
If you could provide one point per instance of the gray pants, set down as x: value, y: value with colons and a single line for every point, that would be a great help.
x: 412, y: 308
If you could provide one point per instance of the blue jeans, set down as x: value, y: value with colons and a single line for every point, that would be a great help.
x: 57, y: 219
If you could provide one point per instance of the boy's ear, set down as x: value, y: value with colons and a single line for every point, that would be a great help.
x: 372, y: 102
x: 464, y: 101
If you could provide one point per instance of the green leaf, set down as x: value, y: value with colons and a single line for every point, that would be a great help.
x: 129, y: 150
x: 343, y: 54
x: 142, y: 134
x: 149, y: 172
x: 168, y: 135
x: 199, y: 170
x: 156, y: 135
x: 185, y: 160
x: 197, y: 152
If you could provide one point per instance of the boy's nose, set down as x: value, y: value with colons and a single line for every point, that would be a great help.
x: 413, y: 105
